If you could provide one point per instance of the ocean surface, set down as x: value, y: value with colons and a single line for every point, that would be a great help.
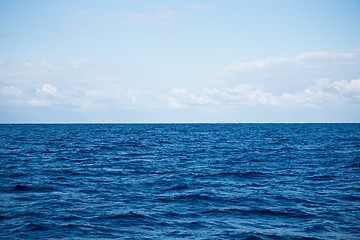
x: 180, y: 181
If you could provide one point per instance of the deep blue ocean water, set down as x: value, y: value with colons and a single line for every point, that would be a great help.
x: 180, y: 181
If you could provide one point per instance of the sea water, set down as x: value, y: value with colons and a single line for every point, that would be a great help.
x: 180, y: 181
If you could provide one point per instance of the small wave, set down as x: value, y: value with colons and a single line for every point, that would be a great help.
x: 133, y: 154
x: 287, y: 148
x: 317, y: 228
x: 114, y: 172
x: 162, y: 172
x: 129, y: 215
x: 195, y: 197
x: 216, y: 212
x: 194, y: 225
x: 108, y: 148
x: 91, y: 191
x: 178, y: 187
x: 251, y: 174
x: 26, y: 188
x: 48, y: 151
x: 186, y: 198
x: 13, y: 175
x: 351, y: 198
x: 68, y: 218
x: 22, y: 188
x: 128, y: 219
x: 84, y: 151
x: 354, y: 165
x: 321, y: 178
x: 181, y: 214
x: 292, y: 213
x: 5, y: 217
x: 36, y: 227
x: 250, y: 236
x: 62, y: 159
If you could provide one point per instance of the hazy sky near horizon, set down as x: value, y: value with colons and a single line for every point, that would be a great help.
x: 179, y: 61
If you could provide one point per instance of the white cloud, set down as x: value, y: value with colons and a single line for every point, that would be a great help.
x: 138, y: 18
x: 173, y: 103
x: 350, y: 89
x: 168, y: 14
x: 143, y: 18
x: 309, y: 60
x: 10, y: 91
x: 337, y: 91
x: 180, y: 98
x: 79, y: 12
x: 47, y: 89
x: 202, y: 6
x: 321, y: 94
x: 80, y: 83
x: 293, y: 74
x: 40, y: 102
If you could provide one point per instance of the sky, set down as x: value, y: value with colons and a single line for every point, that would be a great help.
x: 143, y: 61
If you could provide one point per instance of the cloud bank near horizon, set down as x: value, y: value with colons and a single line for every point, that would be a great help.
x: 79, y: 83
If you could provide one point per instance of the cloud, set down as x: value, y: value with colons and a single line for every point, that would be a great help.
x: 244, y: 95
x: 336, y: 92
x: 180, y: 98
x: 309, y: 60
x: 202, y: 6
x: 293, y: 74
x: 160, y: 17
x: 47, y: 89
x: 79, y: 12
x: 40, y: 103
x: 323, y: 93
x: 10, y: 91
x: 82, y: 84
x: 27, y: 74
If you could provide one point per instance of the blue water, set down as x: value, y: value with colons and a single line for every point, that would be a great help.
x: 180, y: 181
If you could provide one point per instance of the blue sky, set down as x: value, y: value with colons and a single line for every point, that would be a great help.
x: 179, y: 61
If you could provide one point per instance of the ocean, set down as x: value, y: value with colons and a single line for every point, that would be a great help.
x: 180, y: 181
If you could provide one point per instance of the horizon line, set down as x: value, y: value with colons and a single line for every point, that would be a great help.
x: 8, y: 123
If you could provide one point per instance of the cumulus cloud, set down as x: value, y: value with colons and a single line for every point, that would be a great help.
x: 350, y: 89
x: 334, y: 92
x: 323, y: 93
x: 47, y: 89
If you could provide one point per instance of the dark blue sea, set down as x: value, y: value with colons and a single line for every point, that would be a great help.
x: 180, y: 181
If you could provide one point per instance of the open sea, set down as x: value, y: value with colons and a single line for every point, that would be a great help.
x: 180, y: 181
